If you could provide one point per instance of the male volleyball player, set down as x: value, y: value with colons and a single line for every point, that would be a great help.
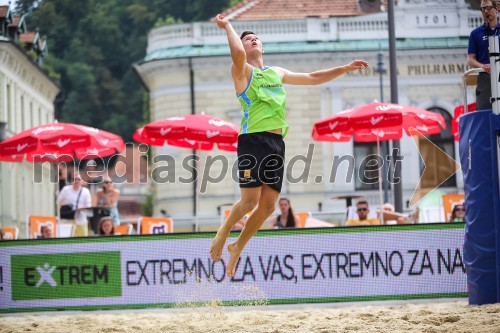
x: 261, y: 148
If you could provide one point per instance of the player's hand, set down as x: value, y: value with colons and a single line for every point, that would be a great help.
x: 357, y: 64
x: 221, y: 22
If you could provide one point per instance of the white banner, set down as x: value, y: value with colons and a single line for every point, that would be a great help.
x: 304, y: 265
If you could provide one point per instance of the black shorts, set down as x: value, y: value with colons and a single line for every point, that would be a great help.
x: 261, y: 160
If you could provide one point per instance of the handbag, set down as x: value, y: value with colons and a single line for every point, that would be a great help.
x: 67, y: 212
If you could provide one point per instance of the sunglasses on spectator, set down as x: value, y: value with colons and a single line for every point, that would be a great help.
x: 460, y: 209
x: 362, y: 209
x: 77, y: 179
x: 107, y: 182
x: 487, y: 8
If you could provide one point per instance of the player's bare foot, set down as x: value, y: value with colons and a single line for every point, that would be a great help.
x: 234, y: 254
x: 218, y: 245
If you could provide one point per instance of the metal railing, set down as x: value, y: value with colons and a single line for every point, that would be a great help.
x: 469, y: 78
x: 310, y: 29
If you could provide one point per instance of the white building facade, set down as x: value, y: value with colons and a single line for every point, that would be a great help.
x: 431, y: 42
x: 26, y: 100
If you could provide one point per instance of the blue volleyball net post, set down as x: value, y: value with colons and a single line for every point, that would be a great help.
x: 479, y: 157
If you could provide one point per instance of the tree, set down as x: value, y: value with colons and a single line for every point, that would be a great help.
x: 93, y: 44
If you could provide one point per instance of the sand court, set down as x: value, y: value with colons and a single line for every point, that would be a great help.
x: 418, y: 316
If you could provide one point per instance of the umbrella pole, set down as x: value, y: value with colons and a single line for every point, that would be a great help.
x: 380, y: 184
x: 196, y: 196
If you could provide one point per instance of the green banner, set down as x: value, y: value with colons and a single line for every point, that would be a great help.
x: 66, y: 275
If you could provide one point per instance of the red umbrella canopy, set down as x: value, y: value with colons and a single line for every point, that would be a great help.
x: 332, y: 137
x: 378, y: 121
x: 197, y: 127
x: 140, y: 136
x: 62, y: 139
x: 459, y: 110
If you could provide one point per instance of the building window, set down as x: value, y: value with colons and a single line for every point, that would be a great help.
x: 23, y: 115
x: 440, y: 170
x: 10, y: 111
x: 366, y: 177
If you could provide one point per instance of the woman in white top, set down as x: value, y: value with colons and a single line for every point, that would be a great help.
x: 77, y: 196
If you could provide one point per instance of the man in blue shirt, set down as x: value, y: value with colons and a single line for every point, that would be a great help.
x: 478, y: 56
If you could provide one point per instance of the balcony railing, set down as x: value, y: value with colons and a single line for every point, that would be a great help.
x: 312, y: 29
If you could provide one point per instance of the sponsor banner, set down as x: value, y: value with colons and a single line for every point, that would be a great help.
x: 66, y: 275
x: 300, y: 265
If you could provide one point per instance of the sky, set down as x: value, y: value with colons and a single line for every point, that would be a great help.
x: 5, y: 2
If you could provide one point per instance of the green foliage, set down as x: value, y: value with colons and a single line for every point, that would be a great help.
x: 233, y: 3
x: 147, y: 206
x: 51, y: 67
x: 93, y: 45
x: 169, y: 20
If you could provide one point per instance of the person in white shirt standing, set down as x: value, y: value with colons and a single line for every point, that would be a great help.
x: 77, y: 196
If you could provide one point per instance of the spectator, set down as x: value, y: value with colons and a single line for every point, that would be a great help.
x: 362, y: 211
x: 46, y: 232
x: 76, y: 196
x: 390, y: 214
x: 458, y: 213
x: 106, y: 226
x: 108, y: 196
x: 1, y: 235
x: 287, y: 218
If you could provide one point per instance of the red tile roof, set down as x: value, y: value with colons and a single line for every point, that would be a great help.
x: 292, y: 9
x: 3, y: 11
x: 28, y: 37
x: 15, y: 22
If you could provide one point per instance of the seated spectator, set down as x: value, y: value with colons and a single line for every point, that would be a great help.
x: 390, y: 215
x: 108, y: 196
x: 46, y: 232
x: 458, y: 213
x: 287, y: 218
x: 362, y: 211
x: 106, y: 226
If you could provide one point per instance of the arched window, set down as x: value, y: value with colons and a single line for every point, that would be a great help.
x: 440, y: 170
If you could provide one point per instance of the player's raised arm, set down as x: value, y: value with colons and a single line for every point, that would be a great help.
x: 321, y: 76
x: 238, y: 54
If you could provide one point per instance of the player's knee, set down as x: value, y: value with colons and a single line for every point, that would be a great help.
x: 248, y: 205
x: 266, y: 208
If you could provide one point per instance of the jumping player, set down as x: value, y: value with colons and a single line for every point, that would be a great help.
x: 261, y: 148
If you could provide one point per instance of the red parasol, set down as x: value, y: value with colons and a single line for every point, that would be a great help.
x: 197, y: 127
x: 377, y: 122
x: 198, y: 132
x: 380, y: 121
x: 51, y: 141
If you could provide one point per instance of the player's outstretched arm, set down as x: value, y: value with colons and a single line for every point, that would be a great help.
x: 322, y: 76
x: 238, y: 54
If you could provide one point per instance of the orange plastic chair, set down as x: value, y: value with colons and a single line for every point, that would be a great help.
x: 449, y: 201
x: 124, y: 229
x: 303, y: 218
x: 155, y: 225
x: 10, y: 233
x: 34, y: 225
